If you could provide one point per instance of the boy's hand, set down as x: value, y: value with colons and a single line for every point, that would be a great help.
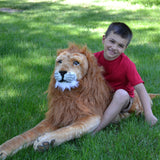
x: 151, y: 119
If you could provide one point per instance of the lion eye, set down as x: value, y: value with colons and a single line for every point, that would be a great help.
x: 60, y: 61
x: 76, y: 63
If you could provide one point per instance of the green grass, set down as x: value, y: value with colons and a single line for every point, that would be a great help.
x: 28, y: 44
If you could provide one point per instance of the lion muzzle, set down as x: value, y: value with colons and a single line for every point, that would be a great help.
x: 65, y: 80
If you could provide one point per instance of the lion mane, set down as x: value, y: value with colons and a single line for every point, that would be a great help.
x: 91, y: 97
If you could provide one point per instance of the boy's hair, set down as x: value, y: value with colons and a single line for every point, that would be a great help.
x: 121, y: 29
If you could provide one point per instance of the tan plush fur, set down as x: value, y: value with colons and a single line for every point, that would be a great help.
x: 71, y: 113
x: 88, y: 99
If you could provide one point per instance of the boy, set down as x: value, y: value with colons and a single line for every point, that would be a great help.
x: 121, y: 74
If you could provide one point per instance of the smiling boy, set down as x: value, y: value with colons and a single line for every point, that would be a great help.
x: 122, y: 75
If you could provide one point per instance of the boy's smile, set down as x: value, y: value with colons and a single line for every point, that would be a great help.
x: 114, y: 45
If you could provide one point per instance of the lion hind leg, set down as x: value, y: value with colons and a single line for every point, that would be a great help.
x: 13, y: 145
x: 153, y: 95
x: 76, y: 130
x: 136, y: 107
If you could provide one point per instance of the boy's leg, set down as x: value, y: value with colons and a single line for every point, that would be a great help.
x: 120, y: 101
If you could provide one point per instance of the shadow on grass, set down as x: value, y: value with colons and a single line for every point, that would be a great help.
x: 52, y: 25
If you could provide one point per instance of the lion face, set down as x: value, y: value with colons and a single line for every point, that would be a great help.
x: 69, y: 69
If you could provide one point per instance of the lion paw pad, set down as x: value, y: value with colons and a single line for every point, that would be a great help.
x: 45, y: 146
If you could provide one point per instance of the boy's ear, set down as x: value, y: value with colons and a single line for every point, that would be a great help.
x: 103, y: 38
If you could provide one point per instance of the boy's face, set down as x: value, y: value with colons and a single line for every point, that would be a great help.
x: 114, y: 45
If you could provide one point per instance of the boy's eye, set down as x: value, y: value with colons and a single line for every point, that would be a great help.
x: 112, y: 41
x: 121, y: 45
x: 59, y: 61
x: 76, y: 63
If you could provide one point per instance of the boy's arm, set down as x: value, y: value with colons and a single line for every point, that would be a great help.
x: 146, y: 103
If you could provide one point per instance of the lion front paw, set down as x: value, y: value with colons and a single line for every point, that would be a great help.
x: 42, y: 145
x: 3, y: 155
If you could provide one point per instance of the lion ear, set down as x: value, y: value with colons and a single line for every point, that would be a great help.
x: 59, y: 51
x: 84, y: 49
x: 72, y: 47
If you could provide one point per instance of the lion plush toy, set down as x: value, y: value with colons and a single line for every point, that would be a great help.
x: 77, y: 97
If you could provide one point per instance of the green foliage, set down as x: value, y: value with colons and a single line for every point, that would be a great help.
x: 28, y: 43
x: 149, y: 3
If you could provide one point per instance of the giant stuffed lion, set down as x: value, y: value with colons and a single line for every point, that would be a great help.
x: 77, y: 97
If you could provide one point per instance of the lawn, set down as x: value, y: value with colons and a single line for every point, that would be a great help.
x: 29, y: 39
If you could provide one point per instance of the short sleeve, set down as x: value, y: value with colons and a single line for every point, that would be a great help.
x: 133, y: 75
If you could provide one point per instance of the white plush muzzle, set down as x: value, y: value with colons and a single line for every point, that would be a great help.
x: 66, y: 81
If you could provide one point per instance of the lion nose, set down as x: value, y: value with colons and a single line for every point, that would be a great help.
x: 62, y: 73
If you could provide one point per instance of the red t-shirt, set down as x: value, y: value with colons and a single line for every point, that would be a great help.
x: 120, y: 73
